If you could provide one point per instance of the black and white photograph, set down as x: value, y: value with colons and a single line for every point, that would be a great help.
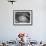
x: 22, y: 17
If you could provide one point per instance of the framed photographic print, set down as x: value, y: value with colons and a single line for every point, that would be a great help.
x: 22, y: 17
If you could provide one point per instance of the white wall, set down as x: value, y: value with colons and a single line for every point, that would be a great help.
x: 38, y: 30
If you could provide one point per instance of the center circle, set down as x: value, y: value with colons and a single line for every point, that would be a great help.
x: 22, y: 18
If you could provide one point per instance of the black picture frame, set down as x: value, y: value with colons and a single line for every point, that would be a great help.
x: 15, y: 12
